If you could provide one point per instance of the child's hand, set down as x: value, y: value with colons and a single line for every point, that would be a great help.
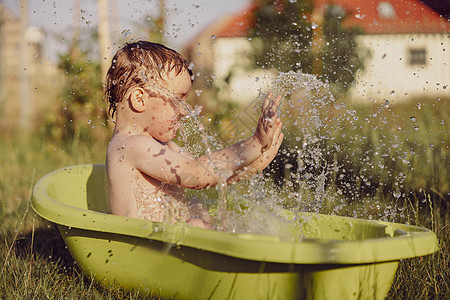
x: 269, y: 124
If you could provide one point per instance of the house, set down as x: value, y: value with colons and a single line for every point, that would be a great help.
x: 405, y: 42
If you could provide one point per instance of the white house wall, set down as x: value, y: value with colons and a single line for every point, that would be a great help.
x: 397, y: 70
x: 232, y: 55
x: 229, y: 54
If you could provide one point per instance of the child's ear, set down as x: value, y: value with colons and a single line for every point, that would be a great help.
x: 137, y: 99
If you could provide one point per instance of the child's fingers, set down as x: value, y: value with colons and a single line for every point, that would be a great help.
x: 269, y: 125
x: 271, y: 122
x: 279, y: 141
x: 266, y: 102
x: 276, y: 139
x: 276, y: 102
x: 277, y: 132
x: 274, y: 121
x: 273, y: 129
x: 271, y: 109
x: 279, y: 124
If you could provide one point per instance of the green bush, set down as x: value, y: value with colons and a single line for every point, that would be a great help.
x: 81, y: 114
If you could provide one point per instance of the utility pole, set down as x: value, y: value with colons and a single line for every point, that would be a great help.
x: 158, y: 35
x: 25, y: 100
x: 317, y: 19
x: 115, y: 21
x: 76, y: 23
x: 104, y: 37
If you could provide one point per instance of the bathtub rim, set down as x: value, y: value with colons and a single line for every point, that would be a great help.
x: 415, y: 241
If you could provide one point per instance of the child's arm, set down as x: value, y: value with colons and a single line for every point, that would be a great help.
x: 160, y: 162
x: 248, y: 171
x: 259, y: 164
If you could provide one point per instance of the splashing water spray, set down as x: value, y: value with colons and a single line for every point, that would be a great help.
x: 298, y: 180
x: 306, y: 98
x: 306, y: 101
x: 198, y: 141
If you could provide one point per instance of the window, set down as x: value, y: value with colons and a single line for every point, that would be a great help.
x: 417, y: 56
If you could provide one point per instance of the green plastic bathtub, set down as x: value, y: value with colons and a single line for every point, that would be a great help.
x: 339, y: 257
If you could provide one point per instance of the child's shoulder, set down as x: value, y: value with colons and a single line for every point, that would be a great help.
x: 125, y: 140
x: 138, y: 144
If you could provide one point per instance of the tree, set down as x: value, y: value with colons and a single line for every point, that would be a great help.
x: 82, y: 114
x: 339, y: 56
x: 286, y: 38
x: 299, y: 36
x: 282, y: 29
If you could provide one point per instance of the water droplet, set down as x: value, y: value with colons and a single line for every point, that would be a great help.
x: 126, y: 32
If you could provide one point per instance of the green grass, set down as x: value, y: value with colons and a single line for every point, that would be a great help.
x: 425, y: 277
x: 34, y: 263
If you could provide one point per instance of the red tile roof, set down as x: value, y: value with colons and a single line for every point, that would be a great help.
x: 373, y: 16
x: 239, y: 24
x: 391, y: 16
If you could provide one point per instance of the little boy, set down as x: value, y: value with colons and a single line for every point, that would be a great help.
x: 146, y: 88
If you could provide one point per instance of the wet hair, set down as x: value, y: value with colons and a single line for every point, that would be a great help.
x: 136, y: 65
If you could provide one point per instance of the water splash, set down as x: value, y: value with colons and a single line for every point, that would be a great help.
x: 196, y: 138
x: 313, y: 171
x: 302, y: 165
x: 306, y: 102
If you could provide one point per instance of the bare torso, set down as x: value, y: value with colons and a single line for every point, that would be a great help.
x: 135, y: 194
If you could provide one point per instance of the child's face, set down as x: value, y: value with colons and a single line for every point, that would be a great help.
x: 166, y: 109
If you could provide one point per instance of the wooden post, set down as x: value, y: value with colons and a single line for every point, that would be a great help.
x: 158, y: 32
x: 25, y: 100
x: 104, y: 37
x: 317, y: 19
x: 76, y: 23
